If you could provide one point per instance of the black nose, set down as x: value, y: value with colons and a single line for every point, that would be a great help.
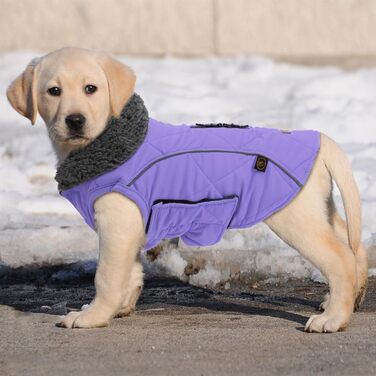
x: 75, y: 122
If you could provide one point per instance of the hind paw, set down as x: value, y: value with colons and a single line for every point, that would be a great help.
x: 325, y: 303
x: 325, y: 323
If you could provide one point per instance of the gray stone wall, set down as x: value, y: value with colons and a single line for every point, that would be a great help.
x: 193, y: 27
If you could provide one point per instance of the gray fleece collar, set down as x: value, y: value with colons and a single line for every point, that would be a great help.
x: 115, y: 145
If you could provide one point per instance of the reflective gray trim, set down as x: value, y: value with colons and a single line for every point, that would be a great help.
x: 296, y: 181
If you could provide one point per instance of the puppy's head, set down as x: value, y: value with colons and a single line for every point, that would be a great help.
x: 75, y: 91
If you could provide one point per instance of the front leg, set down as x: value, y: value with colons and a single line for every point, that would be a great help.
x: 121, y: 235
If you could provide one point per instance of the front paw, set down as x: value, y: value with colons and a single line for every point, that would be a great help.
x: 83, y: 319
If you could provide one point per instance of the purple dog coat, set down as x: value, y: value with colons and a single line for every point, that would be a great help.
x: 194, y: 182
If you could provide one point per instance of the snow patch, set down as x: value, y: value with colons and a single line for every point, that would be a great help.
x: 38, y: 227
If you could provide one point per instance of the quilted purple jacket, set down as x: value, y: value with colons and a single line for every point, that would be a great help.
x: 194, y: 182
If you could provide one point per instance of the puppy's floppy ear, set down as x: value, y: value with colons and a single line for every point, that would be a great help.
x: 22, y: 92
x: 121, y: 81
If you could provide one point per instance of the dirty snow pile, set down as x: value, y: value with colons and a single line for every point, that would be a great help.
x: 37, y: 227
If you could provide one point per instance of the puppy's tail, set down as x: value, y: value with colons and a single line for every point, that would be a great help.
x: 340, y: 170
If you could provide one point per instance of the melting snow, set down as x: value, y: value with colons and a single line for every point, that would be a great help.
x: 40, y: 228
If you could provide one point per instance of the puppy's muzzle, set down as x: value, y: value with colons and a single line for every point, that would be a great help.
x: 75, y: 123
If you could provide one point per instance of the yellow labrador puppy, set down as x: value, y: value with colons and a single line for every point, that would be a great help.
x: 71, y: 85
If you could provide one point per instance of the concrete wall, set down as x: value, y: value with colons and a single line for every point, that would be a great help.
x: 193, y: 27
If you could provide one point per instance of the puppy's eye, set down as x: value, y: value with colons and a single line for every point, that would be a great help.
x: 90, y: 89
x: 55, y: 91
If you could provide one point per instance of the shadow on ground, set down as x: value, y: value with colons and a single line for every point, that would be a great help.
x: 168, y: 295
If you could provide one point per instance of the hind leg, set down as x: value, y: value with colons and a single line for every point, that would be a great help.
x: 361, y: 256
x: 334, y: 260
x: 304, y: 225
x: 319, y: 244
x: 136, y: 282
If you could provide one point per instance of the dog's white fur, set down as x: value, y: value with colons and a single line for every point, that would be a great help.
x: 310, y: 223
